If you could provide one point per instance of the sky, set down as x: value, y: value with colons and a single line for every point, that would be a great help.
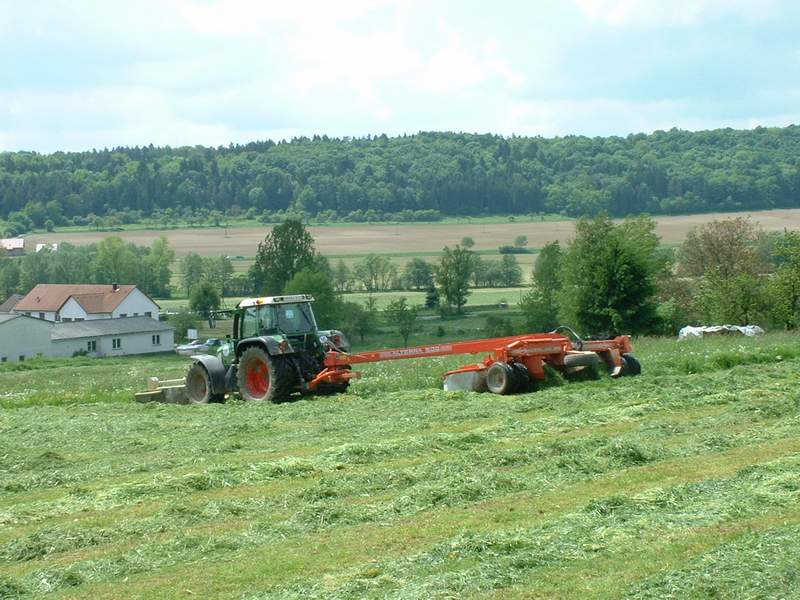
x: 82, y: 74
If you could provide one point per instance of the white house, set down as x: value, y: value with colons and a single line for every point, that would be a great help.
x: 66, y: 302
x: 24, y: 337
x: 112, y: 337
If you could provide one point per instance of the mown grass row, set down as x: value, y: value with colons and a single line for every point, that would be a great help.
x: 644, y: 487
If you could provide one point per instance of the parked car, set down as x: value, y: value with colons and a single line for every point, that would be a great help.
x: 210, y: 346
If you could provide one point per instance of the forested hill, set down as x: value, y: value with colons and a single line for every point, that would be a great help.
x: 454, y: 174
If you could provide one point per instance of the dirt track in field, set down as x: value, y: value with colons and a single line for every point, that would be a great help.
x: 426, y: 238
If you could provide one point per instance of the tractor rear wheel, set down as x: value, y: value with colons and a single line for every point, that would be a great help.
x: 198, y: 386
x: 500, y: 378
x: 262, y: 377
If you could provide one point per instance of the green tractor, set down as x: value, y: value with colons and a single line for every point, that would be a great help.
x: 275, y: 352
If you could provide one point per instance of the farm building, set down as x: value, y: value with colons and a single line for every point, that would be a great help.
x: 24, y: 337
x: 112, y: 337
x: 66, y: 302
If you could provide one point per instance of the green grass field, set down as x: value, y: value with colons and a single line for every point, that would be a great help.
x: 681, y: 483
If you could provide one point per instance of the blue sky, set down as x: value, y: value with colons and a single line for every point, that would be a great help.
x: 79, y: 74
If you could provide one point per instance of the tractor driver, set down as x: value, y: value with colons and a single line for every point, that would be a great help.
x: 289, y: 318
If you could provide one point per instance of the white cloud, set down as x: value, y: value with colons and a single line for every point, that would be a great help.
x: 666, y: 13
x: 593, y: 116
x: 175, y: 72
x: 456, y: 67
x: 252, y: 17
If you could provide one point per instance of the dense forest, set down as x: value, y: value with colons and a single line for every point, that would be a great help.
x: 416, y: 177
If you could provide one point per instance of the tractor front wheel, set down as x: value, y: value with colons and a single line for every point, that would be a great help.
x: 198, y: 386
x: 262, y: 377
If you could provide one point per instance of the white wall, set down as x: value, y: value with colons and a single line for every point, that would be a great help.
x: 132, y: 343
x: 136, y: 304
x: 72, y: 310
x: 47, y: 316
x: 25, y: 337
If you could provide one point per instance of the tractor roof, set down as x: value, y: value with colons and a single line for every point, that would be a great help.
x: 275, y: 300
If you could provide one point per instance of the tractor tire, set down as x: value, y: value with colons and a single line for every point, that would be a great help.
x: 500, y: 378
x: 262, y: 377
x: 525, y: 382
x: 631, y: 365
x: 198, y: 386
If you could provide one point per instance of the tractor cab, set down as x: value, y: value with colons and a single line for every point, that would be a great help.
x: 289, y: 316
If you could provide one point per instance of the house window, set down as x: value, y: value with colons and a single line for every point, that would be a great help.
x: 4, y: 359
x: 135, y: 314
x: 67, y: 320
x: 91, y: 346
x: 123, y: 315
x: 116, y: 343
x: 79, y: 318
x: 58, y: 317
x: 41, y: 316
x: 21, y: 358
x: 148, y: 314
x: 157, y: 340
x: 27, y: 314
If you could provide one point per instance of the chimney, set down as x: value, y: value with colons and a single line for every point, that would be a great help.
x: 114, y: 287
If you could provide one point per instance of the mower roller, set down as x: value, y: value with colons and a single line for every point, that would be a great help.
x: 277, y: 351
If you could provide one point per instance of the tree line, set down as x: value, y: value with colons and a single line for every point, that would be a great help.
x: 615, y: 279
x: 410, y: 177
x: 109, y: 261
x: 152, y: 269
x: 611, y: 278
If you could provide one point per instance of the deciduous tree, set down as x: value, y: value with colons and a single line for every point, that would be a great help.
x: 285, y: 251
x: 609, y: 273
x: 327, y: 306
x: 418, y: 273
x: 402, y: 316
x: 204, y: 299
x: 453, y: 274
x: 540, y: 304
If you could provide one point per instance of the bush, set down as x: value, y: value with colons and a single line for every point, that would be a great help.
x: 498, y: 326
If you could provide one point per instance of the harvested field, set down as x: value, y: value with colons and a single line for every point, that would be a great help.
x: 420, y: 239
x: 680, y: 483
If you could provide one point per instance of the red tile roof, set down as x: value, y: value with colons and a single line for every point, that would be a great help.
x: 50, y: 297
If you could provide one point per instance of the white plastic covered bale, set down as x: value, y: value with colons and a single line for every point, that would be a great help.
x: 466, y: 381
x: 690, y: 332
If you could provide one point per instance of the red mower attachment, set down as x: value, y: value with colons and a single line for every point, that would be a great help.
x: 514, y: 364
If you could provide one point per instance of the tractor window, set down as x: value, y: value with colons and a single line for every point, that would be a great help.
x: 250, y: 322
x: 258, y: 320
x: 295, y: 318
